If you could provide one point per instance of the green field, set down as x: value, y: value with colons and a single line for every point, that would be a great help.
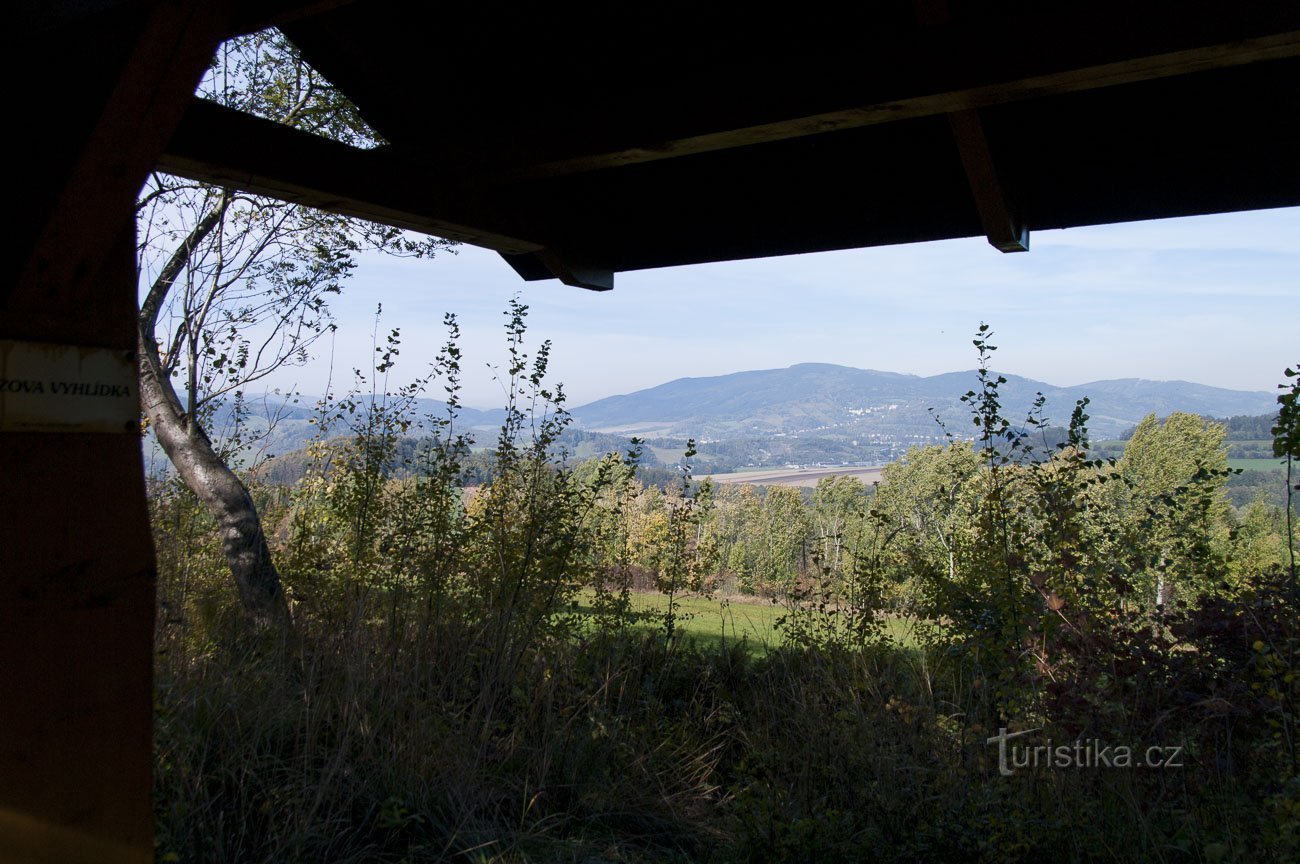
x: 712, y: 622
x: 667, y: 455
x: 1257, y: 464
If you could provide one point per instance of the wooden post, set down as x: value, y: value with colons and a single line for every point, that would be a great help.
x: 100, y: 98
x: 76, y: 622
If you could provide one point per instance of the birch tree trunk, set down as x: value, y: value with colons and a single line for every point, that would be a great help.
x: 191, y: 452
x: 221, y: 492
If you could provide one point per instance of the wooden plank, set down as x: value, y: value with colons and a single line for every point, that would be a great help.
x: 229, y: 148
x: 1059, y: 55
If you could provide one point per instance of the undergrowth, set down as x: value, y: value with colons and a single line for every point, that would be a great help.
x: 443, y: 694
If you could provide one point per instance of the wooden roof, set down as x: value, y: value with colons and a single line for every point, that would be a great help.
x: 583, y: 139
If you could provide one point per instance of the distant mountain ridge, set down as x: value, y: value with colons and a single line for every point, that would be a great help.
x: 822, y: 398
x: 807, y: 413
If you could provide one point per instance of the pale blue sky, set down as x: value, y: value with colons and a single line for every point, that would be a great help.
x: 1212, y: 299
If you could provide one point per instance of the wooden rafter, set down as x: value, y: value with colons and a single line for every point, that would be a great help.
x: 229, y: 148
x: 938, y: 72
x: 1003, y: 225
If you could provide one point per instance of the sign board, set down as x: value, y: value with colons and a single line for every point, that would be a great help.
x: 67, y: 388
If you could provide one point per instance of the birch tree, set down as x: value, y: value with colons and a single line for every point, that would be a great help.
x: 234, y: 288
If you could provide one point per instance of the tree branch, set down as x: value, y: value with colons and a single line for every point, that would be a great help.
x: 171, y: 271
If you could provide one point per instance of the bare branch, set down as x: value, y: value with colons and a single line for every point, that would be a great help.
x: 176, y: 265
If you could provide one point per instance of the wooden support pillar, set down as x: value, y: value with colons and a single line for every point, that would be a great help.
x: 76, y: 620
x: 97, y: 103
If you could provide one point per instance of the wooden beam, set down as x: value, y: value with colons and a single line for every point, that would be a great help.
x: 548, y: 264
x: 172, y: 47
x: 250, y: 16
x: 245, y: 16
x: 229, y: 148
x: 1003, y: 226
x: 574, y: 272
x: 37, y: 17
x: 954, y: 67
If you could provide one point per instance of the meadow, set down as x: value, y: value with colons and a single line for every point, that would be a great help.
x: 722, y: 623
x: 1257, y: 464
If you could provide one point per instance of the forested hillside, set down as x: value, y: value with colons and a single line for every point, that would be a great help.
x: 820, y: 398
x: 810, y: 414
